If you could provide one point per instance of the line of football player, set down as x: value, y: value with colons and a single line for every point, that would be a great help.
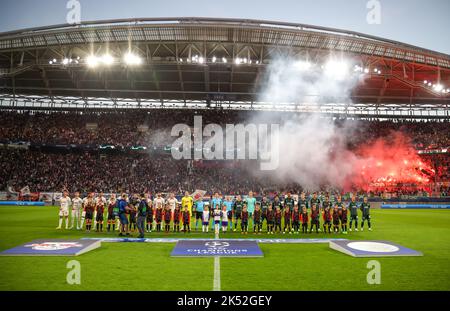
x: 141, y: 212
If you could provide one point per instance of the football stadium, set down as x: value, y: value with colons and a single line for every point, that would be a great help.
x: 222, y: 154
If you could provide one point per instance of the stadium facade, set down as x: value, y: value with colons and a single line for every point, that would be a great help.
x: 210, y: 63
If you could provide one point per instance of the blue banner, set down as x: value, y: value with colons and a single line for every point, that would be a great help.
x: 415, y: 206
x: 24, y: 203
x: 53, y: 247
x: 213, y: 248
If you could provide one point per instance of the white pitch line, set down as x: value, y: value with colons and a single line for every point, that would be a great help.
x: 216, y: 282
x: 216, y: 285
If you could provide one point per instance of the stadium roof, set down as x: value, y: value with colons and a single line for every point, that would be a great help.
x: 207, y: 62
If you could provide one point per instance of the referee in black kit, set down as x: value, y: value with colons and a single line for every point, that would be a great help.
x: 141, y: 216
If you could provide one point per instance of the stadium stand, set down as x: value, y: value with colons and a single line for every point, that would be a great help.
x: 62, y: 147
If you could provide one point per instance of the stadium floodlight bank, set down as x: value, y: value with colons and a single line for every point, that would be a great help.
x: 212, y: 63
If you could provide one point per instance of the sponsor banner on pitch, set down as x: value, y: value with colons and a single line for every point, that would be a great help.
x: 415, y: 206
x: 53, y: 247
x: 22, y: 203
x: 372, y: 249
x: 213, y: 248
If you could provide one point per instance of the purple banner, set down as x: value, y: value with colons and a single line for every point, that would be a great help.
x: 53, y: 247
x: 212, y: 248
x: 372, y: 249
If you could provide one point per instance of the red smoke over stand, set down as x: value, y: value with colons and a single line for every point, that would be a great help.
x: 388, y: 163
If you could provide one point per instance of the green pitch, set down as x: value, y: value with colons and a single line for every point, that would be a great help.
x: 148, y: 266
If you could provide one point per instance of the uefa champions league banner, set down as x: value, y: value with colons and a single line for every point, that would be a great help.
x: 214, y: 248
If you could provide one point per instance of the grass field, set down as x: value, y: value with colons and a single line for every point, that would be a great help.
x: 148, y: 266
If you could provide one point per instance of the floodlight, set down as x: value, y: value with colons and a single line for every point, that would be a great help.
x: 438, y: 87
x: 132, y: 59
x: 92, y: 61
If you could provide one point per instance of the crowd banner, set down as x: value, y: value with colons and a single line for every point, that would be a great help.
x: 57, y: 197
x: 198, y: 194
x: 46, y: 197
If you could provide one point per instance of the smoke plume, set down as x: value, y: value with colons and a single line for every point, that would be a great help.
x: 313, y: 150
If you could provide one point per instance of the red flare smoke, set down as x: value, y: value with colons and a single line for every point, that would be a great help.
x: 389, y: 162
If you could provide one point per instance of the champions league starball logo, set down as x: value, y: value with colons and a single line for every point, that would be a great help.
x: 216, y: 248
x: 217, y: 245
x: 53, y: 246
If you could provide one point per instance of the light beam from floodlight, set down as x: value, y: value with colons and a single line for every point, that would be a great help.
x: 107, y: 59
x: 302, y: 65
x: 336, y: 69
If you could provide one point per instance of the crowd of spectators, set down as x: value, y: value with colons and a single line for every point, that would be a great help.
x: 136, y: 172
x: 54, y: 171
x: 143, y: 127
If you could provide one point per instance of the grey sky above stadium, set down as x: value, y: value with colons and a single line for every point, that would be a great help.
x: 424, y: 23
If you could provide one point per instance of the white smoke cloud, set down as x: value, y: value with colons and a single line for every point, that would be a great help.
x: 312, y: 149
x: 293, y: 81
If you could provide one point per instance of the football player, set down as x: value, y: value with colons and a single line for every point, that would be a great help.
x: 77, y: 206
x: 365, y: 208
x: 353, y: 206
x: 65, y: 202
x: 112, y: 213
